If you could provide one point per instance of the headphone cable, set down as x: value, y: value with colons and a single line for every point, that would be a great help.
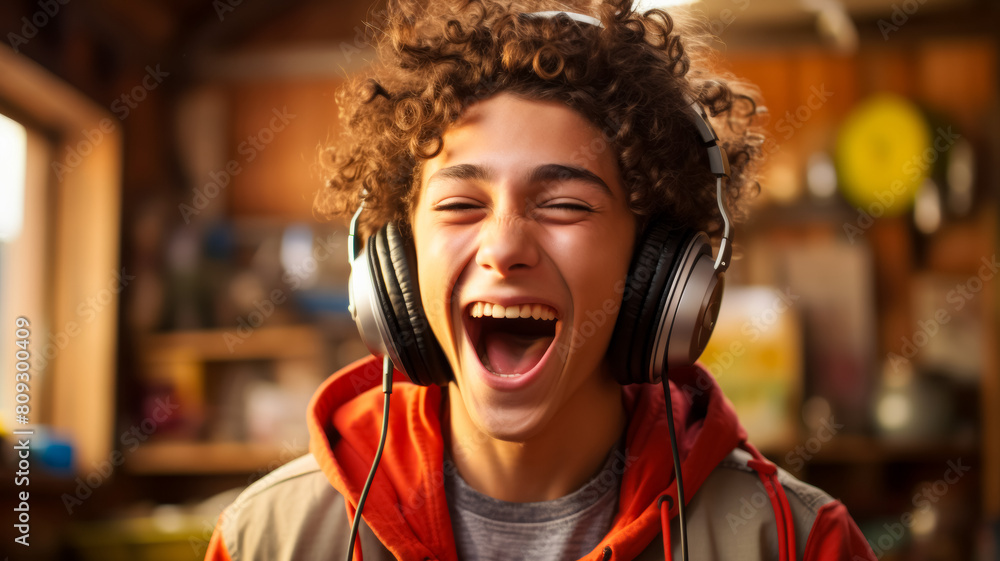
x: 387, y: 391
x: 677, y: 469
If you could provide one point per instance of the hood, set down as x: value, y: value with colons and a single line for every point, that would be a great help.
x: 406, y: 506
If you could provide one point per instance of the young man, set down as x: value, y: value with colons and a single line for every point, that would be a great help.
x: 522, y: 158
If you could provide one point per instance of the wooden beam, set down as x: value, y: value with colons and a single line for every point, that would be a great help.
x: 85, y: 262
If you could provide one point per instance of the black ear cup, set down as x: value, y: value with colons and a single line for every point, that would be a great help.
x: 398, y: 294
x: 653, y: 266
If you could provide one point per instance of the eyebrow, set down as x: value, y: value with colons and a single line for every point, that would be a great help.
x: 541, y: 174
x: 560, y: 172
x: 464, y: 172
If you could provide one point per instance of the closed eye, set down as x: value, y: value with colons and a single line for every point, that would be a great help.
x: 564, y: 211
x: 569, y: 206
x: 566, y: 204
x: 457, y: 205
x: 458, y: 211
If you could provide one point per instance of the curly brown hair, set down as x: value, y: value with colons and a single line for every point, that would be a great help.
x: 630, y: 78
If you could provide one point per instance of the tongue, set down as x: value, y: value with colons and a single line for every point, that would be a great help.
x: 510, y: 353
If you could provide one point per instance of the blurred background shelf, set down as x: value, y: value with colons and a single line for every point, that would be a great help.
x: 857, y: 449
x: 282, y: 342
x: 240, y: 396
x: 193, y: 458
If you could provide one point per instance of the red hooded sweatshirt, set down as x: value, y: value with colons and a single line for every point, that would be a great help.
x: 407, y: 511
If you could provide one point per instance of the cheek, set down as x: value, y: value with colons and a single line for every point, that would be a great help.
x: 597, y: 290
x: 600, y: 260
x: 428, y: 263
x: 439, y: 262
x: 430, y: 275
x: 596, y: 281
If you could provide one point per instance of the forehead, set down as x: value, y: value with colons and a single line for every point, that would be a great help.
x: 510, y: 133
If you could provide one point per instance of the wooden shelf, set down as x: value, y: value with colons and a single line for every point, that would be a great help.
x: 200, y: 458
x: 851, y: 449
x: 230, y: 344
x: 178, y: 360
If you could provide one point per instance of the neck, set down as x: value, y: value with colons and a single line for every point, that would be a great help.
x: 558, y: 460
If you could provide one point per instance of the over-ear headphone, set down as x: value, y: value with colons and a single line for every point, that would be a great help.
x: 385, y: 303
x: 670, y: 304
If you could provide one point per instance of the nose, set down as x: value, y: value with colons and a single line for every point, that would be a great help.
x: 506, y: 245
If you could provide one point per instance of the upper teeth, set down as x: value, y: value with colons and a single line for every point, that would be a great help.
x: 537, y: 311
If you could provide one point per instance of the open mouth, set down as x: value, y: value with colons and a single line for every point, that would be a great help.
x: 510, y: 340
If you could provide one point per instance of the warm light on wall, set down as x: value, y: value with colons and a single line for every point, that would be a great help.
x: 13, y: 156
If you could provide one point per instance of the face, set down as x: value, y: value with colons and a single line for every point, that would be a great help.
x: 523, y: 238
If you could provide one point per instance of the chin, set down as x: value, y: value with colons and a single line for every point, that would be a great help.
x: 505, y: 421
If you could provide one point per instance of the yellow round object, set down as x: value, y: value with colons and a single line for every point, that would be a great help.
x: 883, y: 155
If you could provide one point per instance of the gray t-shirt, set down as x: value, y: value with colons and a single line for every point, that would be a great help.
x: 567, y: 528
